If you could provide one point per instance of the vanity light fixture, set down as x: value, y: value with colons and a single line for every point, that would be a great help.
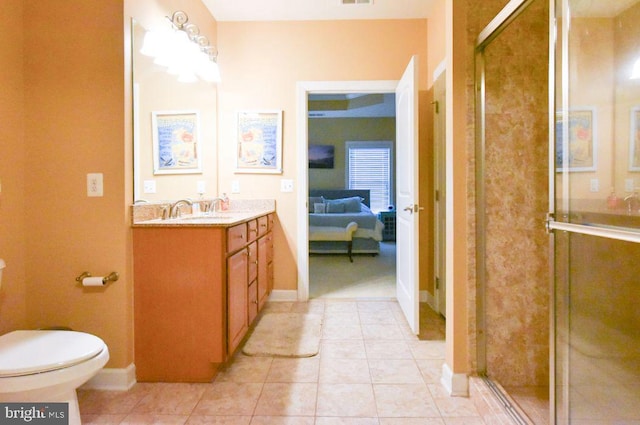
x: 182, y: 50
x: 635, y: 72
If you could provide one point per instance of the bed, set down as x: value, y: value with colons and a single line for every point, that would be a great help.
x: 338, y: 208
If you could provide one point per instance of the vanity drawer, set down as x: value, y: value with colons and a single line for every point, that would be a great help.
x: 252, y: 308
x: 253, y: 230
x: 263, y: 225
x: 236, y: 237
x: 253, y: 261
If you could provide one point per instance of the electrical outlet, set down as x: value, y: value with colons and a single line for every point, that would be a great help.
x: 149, y: 186
x: 595, y: 185
x: 629, y: 185
x: 235, y: 186
x: 286, y: 185
x: 94, y: 185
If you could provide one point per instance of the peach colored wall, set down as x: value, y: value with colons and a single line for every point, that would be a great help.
x: 261, y: 62
x: 436, y: 37
x: 436, y: 43
x: 13, y: 296
x: 159, y: 91
x: 459, y: 300
x: 73, y: 75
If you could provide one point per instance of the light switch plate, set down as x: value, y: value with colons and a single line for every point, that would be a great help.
x: 286, y: 185
x: 629, y: 185
x: 94, y: 185
x: 595, y: 185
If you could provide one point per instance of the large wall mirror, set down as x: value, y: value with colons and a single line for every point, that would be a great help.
x: 174, y: 131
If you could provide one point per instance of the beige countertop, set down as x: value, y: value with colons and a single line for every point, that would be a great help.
x: 240, y: 211
x: 216, y: 219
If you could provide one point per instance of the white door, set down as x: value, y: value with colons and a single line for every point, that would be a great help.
x: 407, y: 286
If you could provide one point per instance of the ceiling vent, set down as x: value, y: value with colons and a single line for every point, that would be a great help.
x: 356, y: 1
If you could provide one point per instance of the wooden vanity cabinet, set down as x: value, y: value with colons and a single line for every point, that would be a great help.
x: 197, y: 291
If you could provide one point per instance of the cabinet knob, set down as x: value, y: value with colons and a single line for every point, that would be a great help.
x: 255, y: 262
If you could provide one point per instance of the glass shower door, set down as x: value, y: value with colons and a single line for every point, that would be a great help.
x: 596, y: 213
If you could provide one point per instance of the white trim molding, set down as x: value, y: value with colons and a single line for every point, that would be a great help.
x: 456, y: 384
x: 426, y: 297
x: 442, y: 66
x: 113, y: 379
x: 303, y: 89
x: 284, y: 295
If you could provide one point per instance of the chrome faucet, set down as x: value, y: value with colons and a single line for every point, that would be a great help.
x: 175, y: 208
x: 632, y: 201
x: 214, y: 204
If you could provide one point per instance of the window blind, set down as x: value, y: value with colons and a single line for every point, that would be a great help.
x: 369, y: 167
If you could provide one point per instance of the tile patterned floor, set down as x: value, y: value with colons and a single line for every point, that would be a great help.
x: 370, y: 371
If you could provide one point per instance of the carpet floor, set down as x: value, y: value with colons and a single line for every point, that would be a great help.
x: 333, y: 276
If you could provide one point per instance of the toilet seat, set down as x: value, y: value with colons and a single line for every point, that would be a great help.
x: 30, y: 352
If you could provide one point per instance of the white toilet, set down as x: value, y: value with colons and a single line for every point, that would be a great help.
x: 48, y: 366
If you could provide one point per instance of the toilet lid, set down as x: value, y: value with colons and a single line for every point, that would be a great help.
x: 28, y: 352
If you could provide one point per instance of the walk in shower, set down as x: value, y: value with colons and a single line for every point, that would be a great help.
x: 558, y: 132
x: 513, y: 256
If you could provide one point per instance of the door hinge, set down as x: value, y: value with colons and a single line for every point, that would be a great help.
x: 437, y: 282
x: 436, y: 106
x: 437, y: 195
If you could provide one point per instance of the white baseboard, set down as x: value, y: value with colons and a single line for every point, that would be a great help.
x: 113, y: 379
x: 456, y: 384
x: 284, y: 295
x: 426, y: 297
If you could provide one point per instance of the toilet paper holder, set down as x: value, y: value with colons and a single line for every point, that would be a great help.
x: 112, y: 277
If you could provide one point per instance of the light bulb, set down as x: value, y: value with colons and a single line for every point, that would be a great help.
x: 635, y: 73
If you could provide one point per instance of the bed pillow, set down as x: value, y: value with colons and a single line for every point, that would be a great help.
x: 319, y: 208
x: 365, y: 208
x: 343, y: 205
x: 315, y: 200
x: 334, y: 207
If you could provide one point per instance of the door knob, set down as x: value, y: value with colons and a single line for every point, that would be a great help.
x: 413, y: 208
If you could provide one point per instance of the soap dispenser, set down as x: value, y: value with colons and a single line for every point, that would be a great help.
x: 612, y: 200
x: 224, y: 204
x: 2, y: 266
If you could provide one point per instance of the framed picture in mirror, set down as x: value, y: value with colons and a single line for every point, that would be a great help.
x: 259, y: 142
x: 578, y: 152
x: 634, y: 139
x: 176, y: 142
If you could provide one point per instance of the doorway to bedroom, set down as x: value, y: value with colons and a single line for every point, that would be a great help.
x: 351, y: 144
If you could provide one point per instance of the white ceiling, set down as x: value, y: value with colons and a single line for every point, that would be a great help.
x: 316, y: 10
